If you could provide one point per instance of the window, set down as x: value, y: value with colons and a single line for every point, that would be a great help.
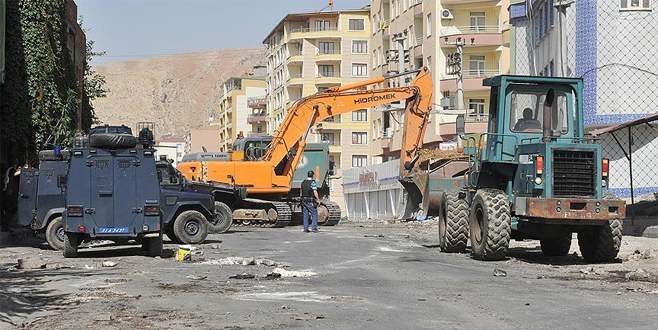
x: 329, y: 138
x: 359, y: 46
x: 360, y: 115
x: 478, y: 21
x: 325, y: 47
x: 322, y: 25
x: 326, y: 70
x: 551, y: 12
x: 635, y: 5
x: 527, y: 111
x: 429, y: 25
x: 359, y: 160
x: 476, y: 65
x: 359, y: 70
x: 476, y: 106
x: 356, y: 24
x: 375, y: 58
x: 359, y: 138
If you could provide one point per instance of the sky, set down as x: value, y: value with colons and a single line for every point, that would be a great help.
x: 129, y: 29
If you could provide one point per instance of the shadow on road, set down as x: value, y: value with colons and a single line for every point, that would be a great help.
x: 23, y: 293
x: 534, y: 255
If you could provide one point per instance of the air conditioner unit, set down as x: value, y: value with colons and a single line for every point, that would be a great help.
x: 446, y: 14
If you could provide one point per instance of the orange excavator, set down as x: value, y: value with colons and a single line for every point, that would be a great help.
x: 268, y: 179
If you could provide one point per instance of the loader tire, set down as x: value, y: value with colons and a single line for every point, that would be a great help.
x: 222, y: 220
x: 55, y: 234
x: 556, y: 246
x: 453, y: 223
x: 490, y: 224
x: 191, y: 227
x: 601, y: 244
x: 71, y: 242
x: 112, y: 141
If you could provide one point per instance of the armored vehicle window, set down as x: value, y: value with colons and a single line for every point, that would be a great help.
x: 526, y: 112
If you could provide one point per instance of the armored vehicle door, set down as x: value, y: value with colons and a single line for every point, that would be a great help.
x: 27, y: 195
x: 50, y: 195
x: 102, y: 191
x: 127, y: 206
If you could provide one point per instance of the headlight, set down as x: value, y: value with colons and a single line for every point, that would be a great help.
x: 538, y: 181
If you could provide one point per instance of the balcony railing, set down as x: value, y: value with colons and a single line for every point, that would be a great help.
x: 257, y: 103
x: 328, y: 75
x: 456, y: 30
x: 480, y: 73
x: 474, y: 117
x: 254, y: 119
x: 328, y: 51
x: 312, y: 29
x: 294, y: 75
x: 419, y: 40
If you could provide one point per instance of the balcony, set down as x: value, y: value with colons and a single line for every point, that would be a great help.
x: 305, y: 32
x: 472, y: 80
x: 473, y: 36
x: 333, y: 55
x: 328, y: 78
x: 257, y: 102
x: 256, y: 119
x: 295, y: 78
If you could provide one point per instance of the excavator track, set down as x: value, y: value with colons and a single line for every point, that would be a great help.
x: 334, y: 213
x: 279, y: 214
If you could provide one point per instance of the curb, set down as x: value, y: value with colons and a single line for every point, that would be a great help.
x: 651, y: 232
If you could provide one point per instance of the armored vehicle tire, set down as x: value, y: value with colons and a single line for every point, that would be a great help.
x: 191, y: 227
x: 222, y: 220
x: 55, y: 234
x: 112, y: 141
x: 557, y: 245
x: 71, y: 242
x: 453, y: 223
x: 491, y: 225
x: 153, y: 246
x: 601, y: 243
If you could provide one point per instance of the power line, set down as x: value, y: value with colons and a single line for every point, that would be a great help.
x: 619, y: 64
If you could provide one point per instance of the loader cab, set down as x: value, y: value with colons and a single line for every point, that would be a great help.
x: 517, y: 113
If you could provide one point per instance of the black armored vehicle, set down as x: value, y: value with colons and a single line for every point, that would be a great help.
x: 112, y: 191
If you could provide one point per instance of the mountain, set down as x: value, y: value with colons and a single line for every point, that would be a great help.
x: 176, y: 92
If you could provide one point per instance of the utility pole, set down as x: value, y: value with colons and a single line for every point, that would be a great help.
x: 562, y: 6
x: 399, y: 38
x: 460, y: 75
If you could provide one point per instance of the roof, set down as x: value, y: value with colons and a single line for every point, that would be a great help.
x: 171, y: 138
x: 642, y: 120
x: 318, y: 13
x: 496, y: 80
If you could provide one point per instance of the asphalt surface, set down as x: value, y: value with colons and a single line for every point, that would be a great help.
x: 358, y: 277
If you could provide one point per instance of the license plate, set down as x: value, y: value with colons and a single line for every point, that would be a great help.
x: 113, y: 230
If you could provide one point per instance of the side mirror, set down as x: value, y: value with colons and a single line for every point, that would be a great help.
x: 460, y: 125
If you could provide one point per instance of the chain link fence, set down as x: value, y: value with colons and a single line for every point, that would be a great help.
x: 613, y: 49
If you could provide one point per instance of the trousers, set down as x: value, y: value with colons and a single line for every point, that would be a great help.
x: 310, y: 212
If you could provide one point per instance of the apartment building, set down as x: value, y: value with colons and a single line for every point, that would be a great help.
x: 428, y: 32
x: 202, y: 139
x: 240, y: 111
x: 170, y: 146
x: 310, y: 52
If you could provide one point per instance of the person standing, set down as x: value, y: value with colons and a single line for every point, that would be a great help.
x: 310, y: 201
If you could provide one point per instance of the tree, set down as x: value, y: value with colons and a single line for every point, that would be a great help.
x: 94, y: 85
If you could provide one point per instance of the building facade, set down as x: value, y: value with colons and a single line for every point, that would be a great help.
x: 427, y: 32
x: 172, y: 147
x: 611, y: 45
x: 311, y: 52
x: 236, y: 113
x: 196, y: 140
x: 76, y: 44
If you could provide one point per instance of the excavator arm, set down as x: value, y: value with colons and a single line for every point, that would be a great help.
x: 274, y: 172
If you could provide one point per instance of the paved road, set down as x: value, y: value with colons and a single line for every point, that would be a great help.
x: 373, y: 278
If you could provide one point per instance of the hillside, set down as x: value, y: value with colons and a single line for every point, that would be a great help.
x: 176, y: 92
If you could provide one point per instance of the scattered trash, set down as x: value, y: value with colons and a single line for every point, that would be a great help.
x: 284, y: 307
x: 527, y: 304
x: 249, y: 261
x: 55, y: 266
x: 89, y: 267
x: 243, y: 276
x: 638, y: 275
x: 104, y: 317
x: 422, y: 299
x: 30, y: 263
x: 374, y: 236
x: 289, y: 273
x: 215, y: 246
x: 639, y: 255
x: 497, y: 272
x: 108, y: 264
x: 197, y: 277
x: 319, y: 317
x: 588, y: 270
x: 184, y: 253
x: 272, y: 276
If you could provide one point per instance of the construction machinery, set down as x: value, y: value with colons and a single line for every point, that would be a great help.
x: 269, y: 179
x: 532, y: 175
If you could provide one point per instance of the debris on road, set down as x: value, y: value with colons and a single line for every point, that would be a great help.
x: 290, y: 273
x: 197, y: 277
x: 244, y: 261
x: 184, y: 253
x: 497, y: 272
x: 243, y: 276
x: 374, y: 236
x: 215, y: 246
x: 108, y: 264
x: 30, y: 263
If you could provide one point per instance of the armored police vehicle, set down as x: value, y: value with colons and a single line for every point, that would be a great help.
x: 112, y: 191
x: 41, y: 196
